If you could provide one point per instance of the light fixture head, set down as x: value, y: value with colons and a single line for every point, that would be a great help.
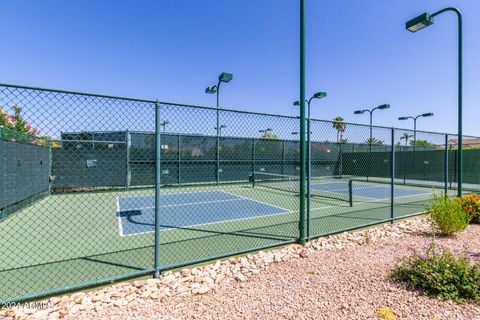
x: 296, y: 103
x: 429, y: 114
x: 359, y: 111
x: 212, y: 89
x: 420, y: 22
x: 402, y: 118
x: 225, y: 77
x: 319, y: 95
x: 384, y: 106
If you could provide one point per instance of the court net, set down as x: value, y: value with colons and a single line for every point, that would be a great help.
x: 334, y: 188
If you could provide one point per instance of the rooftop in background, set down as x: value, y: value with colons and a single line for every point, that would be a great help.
x: 467, y: 142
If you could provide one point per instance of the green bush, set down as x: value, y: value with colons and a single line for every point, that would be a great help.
x: 447, y: 215
x: 439, y: 272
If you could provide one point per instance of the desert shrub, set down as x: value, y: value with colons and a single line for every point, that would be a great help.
x: 441, y: 273
x: 447, y: 215
x: 471, y: 204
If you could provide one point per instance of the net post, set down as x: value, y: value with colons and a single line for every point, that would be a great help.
x: 350, y: 192
x: 392, y: 177
x: 445, y: 165
x: 127, y: 154
x: 158, y: 146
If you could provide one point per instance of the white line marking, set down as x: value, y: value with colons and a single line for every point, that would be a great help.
x: 182, y: 204
x: 270, y: 205
x: 120, y: 228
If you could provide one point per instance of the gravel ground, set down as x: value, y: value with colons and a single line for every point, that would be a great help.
x: 329, y: 284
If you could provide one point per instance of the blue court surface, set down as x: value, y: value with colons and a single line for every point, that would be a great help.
x: 137, y: 214
x: 365, y: 190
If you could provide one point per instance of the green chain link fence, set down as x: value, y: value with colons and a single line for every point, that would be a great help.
x: 107, y: 188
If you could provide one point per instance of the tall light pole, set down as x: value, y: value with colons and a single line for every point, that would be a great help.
x: 429, y: 114
x: 223, y: 77
x: 318, y: 95
x: 422, y: 21
x: 220, y: 129
x: 370, y: 111
x: 163, y: 124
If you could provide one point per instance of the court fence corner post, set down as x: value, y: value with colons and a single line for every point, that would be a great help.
x: 392, y: 178
x: 302, y: 207
x: 158, y: 147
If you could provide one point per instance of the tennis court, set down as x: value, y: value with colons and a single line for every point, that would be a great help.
x: 79, y: 206
x: 136, y: 214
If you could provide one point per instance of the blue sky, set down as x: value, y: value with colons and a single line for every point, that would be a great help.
x: 357, y: 51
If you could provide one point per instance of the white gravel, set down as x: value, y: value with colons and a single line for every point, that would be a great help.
x: 349, y: 283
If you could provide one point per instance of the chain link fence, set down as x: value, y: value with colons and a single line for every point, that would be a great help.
x: 99, y: 189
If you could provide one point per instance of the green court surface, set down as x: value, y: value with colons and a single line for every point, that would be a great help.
x: 77, y: 238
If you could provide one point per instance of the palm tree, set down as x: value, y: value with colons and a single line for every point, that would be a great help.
x: 374, y: 141
x: 339, y: 125
x: 405, y: 137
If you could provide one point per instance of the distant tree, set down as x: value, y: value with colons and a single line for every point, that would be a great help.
x: 406, y: 137
x: 268, y: 135
x: 421, y: 143
x: 339, y: 125
x: 374, y: 141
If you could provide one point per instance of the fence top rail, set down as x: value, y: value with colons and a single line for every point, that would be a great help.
x: 233, y: 110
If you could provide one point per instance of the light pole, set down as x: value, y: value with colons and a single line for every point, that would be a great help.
x: 429, y: 114
x: 220, y: 129
x: 318, y: 95
x: 163, y: 124
x: 422, y: 21
x: 370, y: 111
x: 223, y: 77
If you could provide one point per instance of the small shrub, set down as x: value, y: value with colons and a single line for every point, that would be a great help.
x: 447, y: 215
x: 471, y: 204
x: 441, y: 273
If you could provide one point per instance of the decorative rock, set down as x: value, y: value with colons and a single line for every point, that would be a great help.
x: 239, y: 277
x: 203, y: 289
x: 304, y: 254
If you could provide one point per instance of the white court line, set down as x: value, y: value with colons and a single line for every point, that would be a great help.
x: 120, y: 228
x: 176, y: 193
x: 410, y: 195
x: 271, y: 205
x: 182, y: 204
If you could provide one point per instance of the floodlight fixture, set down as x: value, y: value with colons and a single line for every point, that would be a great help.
x: 422, y: 21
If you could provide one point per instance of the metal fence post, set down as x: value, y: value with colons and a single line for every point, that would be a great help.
x: 283, y: 156
x: 127, y: 153
x: 217, y: 156
x: 50, y: 175
x: 253, y: 156
x: 178, y: 161
x: 158, y: 146
x: 445, y: 165
x: 392, y: 178
x: 303, y: 146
